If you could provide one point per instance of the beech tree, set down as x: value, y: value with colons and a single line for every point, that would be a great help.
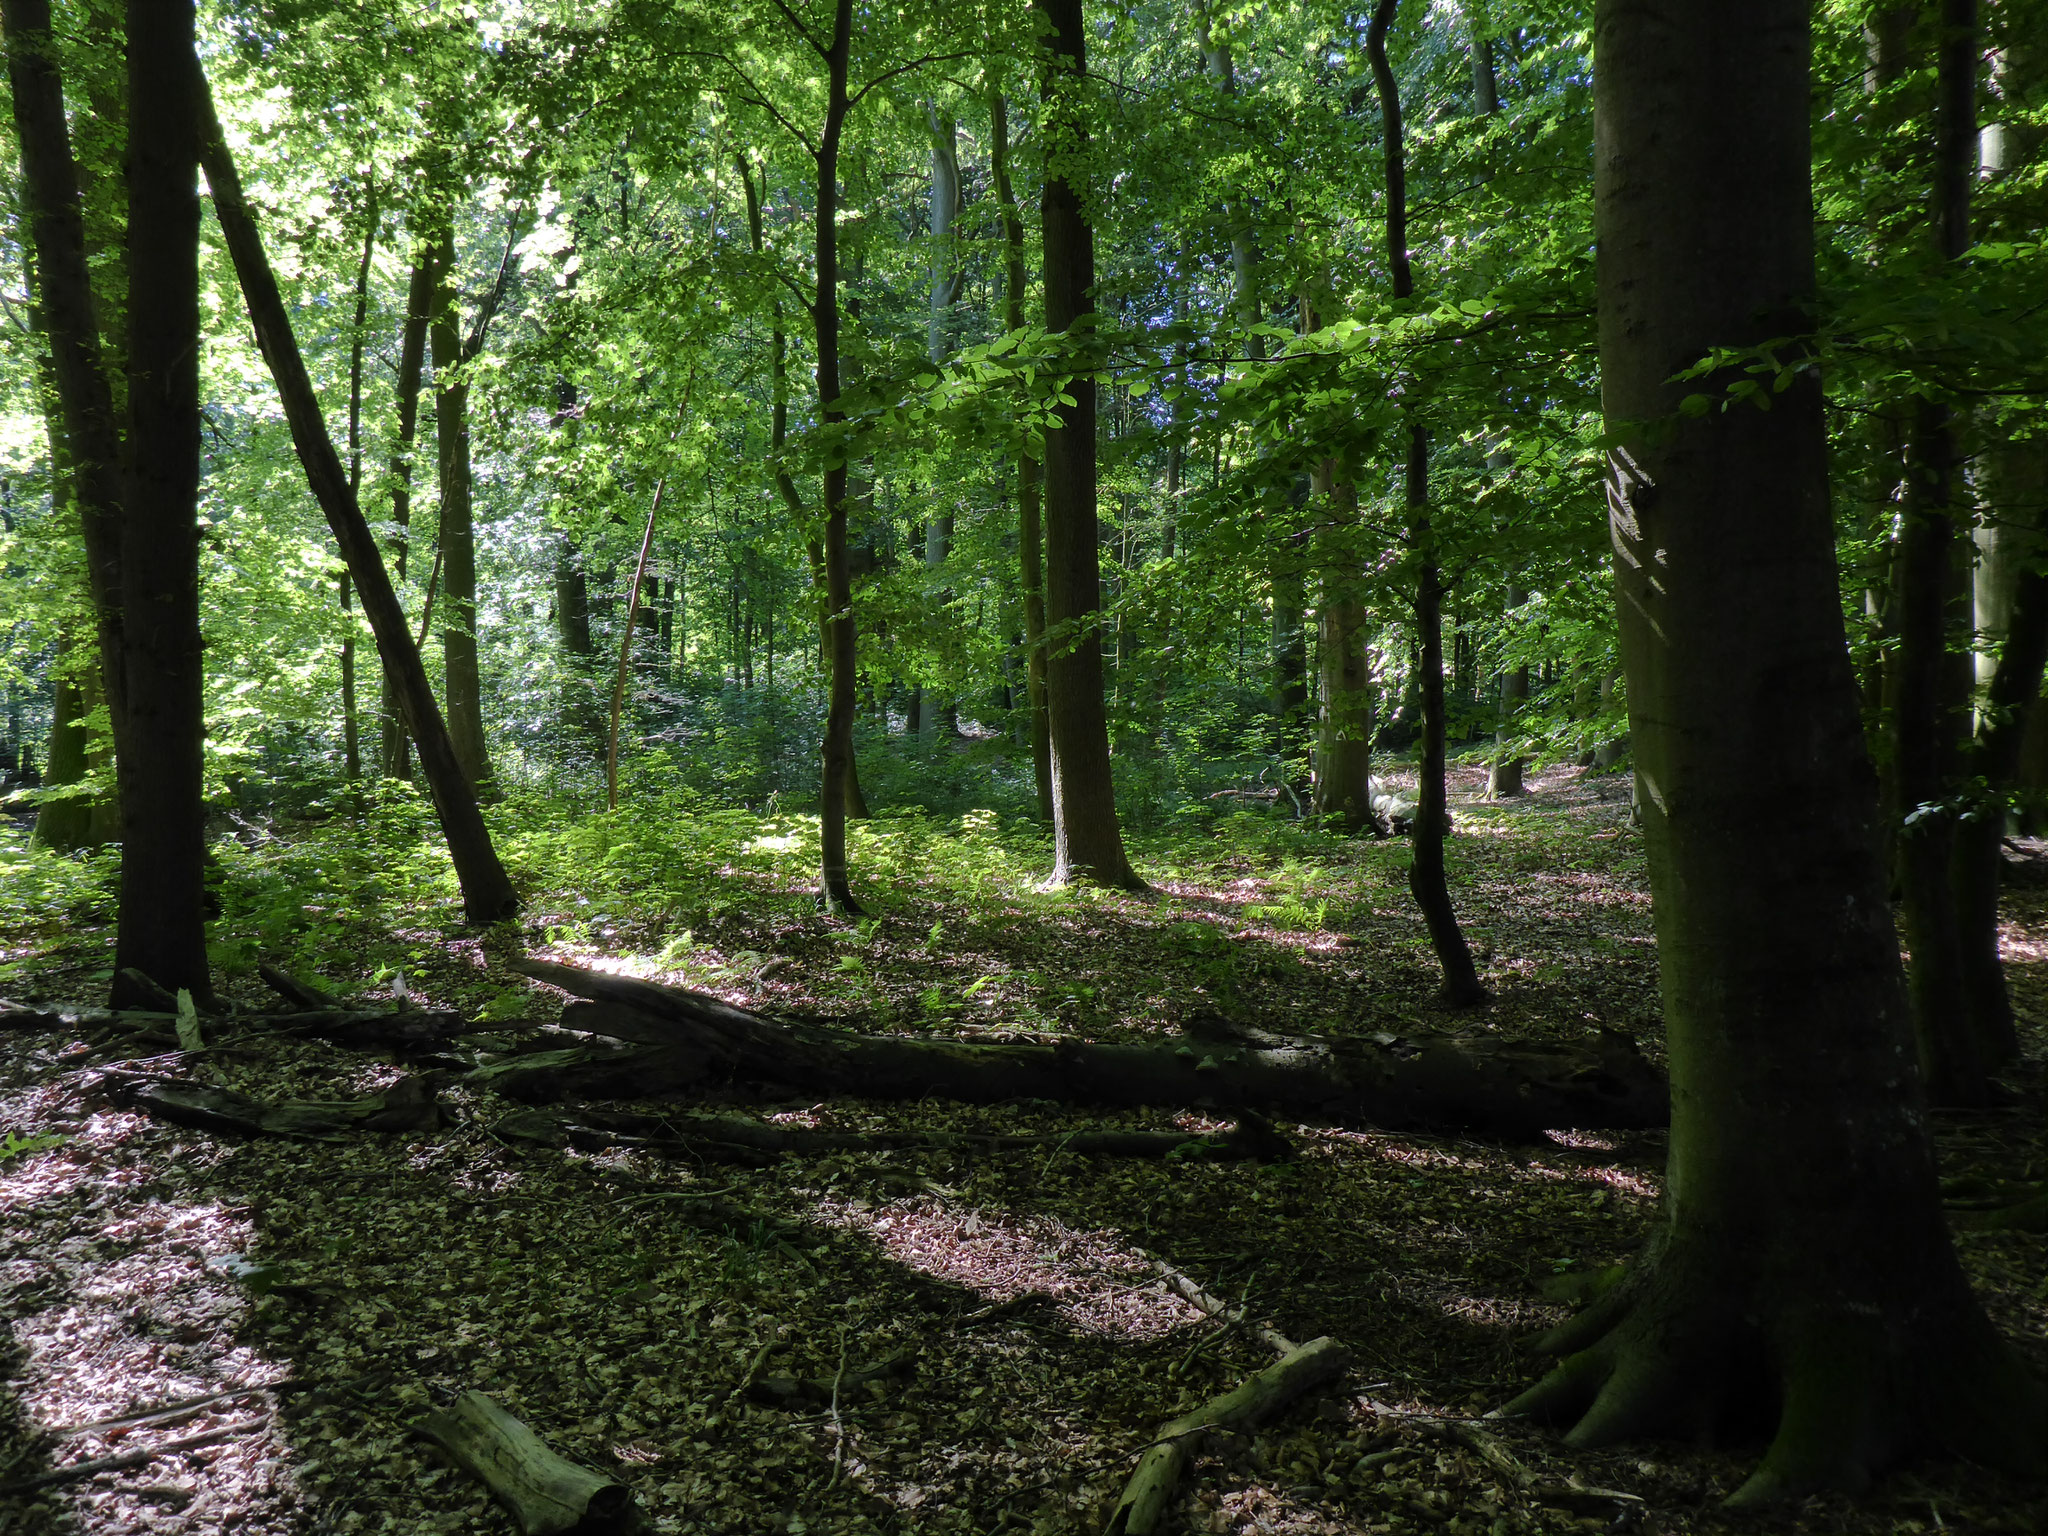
x: 1804, y: 1253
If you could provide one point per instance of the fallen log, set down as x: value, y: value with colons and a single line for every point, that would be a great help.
x: 545, y: 1494
x: 1468, y: 1082
x: 407, y: 1107
x: 1143, y: 1508
x: 750, y: 1143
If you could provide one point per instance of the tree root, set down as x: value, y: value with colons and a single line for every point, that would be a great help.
x: 1858, y: 1375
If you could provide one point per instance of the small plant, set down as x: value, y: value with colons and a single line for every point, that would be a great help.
x: 20, y: 1146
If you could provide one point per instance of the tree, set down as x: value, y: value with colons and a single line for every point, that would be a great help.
x: 1804, y: 1257
x: 1087, y: 842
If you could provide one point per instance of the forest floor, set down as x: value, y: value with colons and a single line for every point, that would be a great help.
x: 344, y: 1288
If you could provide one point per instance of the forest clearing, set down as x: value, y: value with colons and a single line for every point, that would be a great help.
x: 1130, y: 767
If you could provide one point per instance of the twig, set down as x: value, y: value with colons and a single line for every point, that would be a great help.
x: 838, y: 1424
x: 127, y: 1459
x: 144, y: 1416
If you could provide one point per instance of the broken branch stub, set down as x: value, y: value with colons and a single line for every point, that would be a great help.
x: 1471, y: 1082
x: 546, y: 1494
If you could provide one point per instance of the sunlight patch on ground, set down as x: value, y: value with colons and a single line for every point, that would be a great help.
x: 1098, y: 1284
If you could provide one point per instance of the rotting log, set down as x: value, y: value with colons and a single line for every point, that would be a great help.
x: 407, y: 1107
x: 360, y: 1028
x: 546, y: 1494
x: 1150, y: 1492
x: 751, y: 1143
x: 1467, y: 1082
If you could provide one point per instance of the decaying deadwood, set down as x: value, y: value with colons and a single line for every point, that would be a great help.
x: 544, y: 1493
x: 751, y: 1143
x: 1150, y: 1492
x: 812, y: 1392
x: 298, y: 993
x: 407, y: 1107
x: 370, y: 1029
x: 1472, y: 1082
x: 124, y: 1461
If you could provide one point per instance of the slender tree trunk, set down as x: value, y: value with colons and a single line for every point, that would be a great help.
x: 1088, y: 844
x: 457, y: 538
x: 487, y: 894
x: 1030, y: 536
x: 1805, y: 1268
x: 67, y: 825
x: 835, y: 892
x: 160, y: 732
x: 1343, y: 785
x: 941, y: 717
x: 1504, y: 773
x: 1956, y: 1058
x: 1426, y: 878
x: 412, y: 356
x: 352, y: 761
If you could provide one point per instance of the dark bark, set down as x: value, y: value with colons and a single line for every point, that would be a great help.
x: 412, y: 357
x: 1426, y: 879
x: 1477, y: 1082
x: 1030, y: 535
x: 1088, y: 844
x: 352, y: 762
x: 457, y: 537
x: 159, y: 731
x: 1958, y: 1049
x: 487, y: 893
x: 1804, y: 1269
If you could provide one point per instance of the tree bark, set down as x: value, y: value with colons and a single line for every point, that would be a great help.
x: 412, y: 356
x: 457, y: 537
x: 1343, y: 784
x: 1087, y: 842
x: 487, y: 894
x: 1030, y: 535
x: 160, y: 730
x: 352, y: 762
x: 1804, y: 1267
x: 1504, y: 773
x: 1930, y: 720
x: 835, y: 891
x: 1476, y: 1082
x: 1426, y: 879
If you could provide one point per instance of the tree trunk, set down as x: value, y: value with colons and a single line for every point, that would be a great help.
x: 487, y: 894
x: 1804, y: 1267
x: 1088, y: 844
x: 1030, y: 536
x: 352, y: 761
x: 1426, y: 880
x: 1933, y: 623
x: 160, y: 731
x: 1476, y: 1082
x: 70, y: 824
x: 835, y: 893
x: 457, y: 538
x: 1504, y: 773
x: 412, y: 357
x: 1343, y: 785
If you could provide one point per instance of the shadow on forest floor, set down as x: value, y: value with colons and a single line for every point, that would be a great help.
x: 371, y: 1278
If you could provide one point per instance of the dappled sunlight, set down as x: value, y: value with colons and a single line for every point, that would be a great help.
x: 1095, y: 1282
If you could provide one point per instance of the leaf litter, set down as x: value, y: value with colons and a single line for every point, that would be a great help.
x: 274, y: 1314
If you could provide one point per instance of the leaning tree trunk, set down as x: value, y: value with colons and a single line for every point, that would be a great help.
x: 464, y: 679
x: 487, y: 894
x: 688, y: 1041
x: 1804, y: 1271
x: 1030, y: 535
x: 1088, y: 844
x: 159, y: 734
x: 1426, y: 879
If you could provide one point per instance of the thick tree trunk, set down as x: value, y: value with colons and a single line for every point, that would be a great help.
x: 487, y: 894
x: 1426, y: 879
x: 1030, y: 535
x: 1476, y: 1082
x: 160, y: 730
x: 412, y: 358
x: 837, y: 790
x: 1805, y: 1267
x: 1087, y: 842
x: 457, y: 538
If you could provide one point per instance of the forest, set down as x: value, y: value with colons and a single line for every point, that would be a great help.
x: 1061, y: 766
